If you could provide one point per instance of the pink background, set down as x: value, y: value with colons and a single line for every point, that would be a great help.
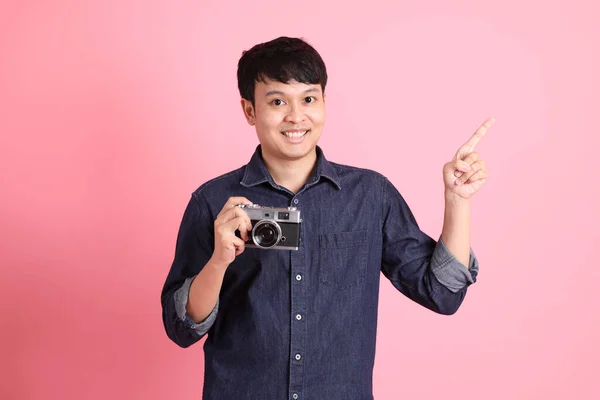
x: 113, y: 112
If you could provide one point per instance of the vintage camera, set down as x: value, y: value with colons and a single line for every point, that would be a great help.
x: 273, y: 228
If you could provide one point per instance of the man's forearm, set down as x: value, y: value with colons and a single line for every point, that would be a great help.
x: 456, y: 231
x: 204, y: 291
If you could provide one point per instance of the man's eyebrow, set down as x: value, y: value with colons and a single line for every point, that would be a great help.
x: 280, y: 93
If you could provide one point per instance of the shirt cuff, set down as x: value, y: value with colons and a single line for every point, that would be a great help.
x: 181, y: 299
x: 449, y: 271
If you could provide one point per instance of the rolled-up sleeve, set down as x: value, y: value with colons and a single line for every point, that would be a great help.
x: 181, y: 299
x: 194, y: 247
x: 449, y: 271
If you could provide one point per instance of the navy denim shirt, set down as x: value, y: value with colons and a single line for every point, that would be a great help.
x: 302, y: 324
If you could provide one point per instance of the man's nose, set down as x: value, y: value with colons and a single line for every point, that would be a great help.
x: 295, y: 114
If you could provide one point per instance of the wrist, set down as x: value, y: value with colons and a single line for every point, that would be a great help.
x: 217, y: 265
x: 454, y: 200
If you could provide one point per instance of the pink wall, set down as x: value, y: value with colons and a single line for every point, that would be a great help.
x: 112, y: 112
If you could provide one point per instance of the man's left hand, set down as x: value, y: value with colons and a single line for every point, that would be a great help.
x: 466, y: 173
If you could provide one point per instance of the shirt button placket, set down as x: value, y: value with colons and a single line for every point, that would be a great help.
x: 297, y: 318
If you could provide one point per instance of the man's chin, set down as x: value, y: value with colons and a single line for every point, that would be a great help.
x: 298, y: 153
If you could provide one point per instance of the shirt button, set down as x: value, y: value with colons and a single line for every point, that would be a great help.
x: 295, y: 396
x: 298, y: 317
x: 295, y: 201
x: 298, y: 277
x: 298, y: 357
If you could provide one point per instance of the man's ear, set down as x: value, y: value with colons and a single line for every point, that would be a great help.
x: 248, y: 109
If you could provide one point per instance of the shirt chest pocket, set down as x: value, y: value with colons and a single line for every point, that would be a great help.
x: 343, y: 258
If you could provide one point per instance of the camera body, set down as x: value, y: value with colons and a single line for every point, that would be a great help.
x: 273, y: 228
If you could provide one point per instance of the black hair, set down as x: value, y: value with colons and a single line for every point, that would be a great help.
x: 283, y: 59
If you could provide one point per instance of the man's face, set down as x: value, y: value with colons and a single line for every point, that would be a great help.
x: 289, y: 118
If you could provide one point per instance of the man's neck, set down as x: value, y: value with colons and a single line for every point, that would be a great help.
x: 292, y: 174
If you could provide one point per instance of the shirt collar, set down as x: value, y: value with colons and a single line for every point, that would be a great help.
x: 257, y: 173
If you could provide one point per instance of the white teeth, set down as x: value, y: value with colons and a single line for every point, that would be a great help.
x: 294, y: 134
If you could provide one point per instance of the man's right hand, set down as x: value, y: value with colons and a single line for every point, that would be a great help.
x: 231, y: 218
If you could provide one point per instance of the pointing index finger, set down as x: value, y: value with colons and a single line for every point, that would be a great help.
x: 480, y: 132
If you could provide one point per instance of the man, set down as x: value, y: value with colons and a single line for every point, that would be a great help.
x: 301, y: 324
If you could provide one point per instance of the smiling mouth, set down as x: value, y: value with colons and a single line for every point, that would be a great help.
x: 295, y: 134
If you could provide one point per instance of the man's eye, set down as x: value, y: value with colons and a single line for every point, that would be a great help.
x: 277, y: 102
x: 310, y: 99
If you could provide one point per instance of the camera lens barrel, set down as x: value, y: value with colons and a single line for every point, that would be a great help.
x: 266, y: 233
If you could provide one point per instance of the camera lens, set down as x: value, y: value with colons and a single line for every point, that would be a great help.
x: 266, y: 234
